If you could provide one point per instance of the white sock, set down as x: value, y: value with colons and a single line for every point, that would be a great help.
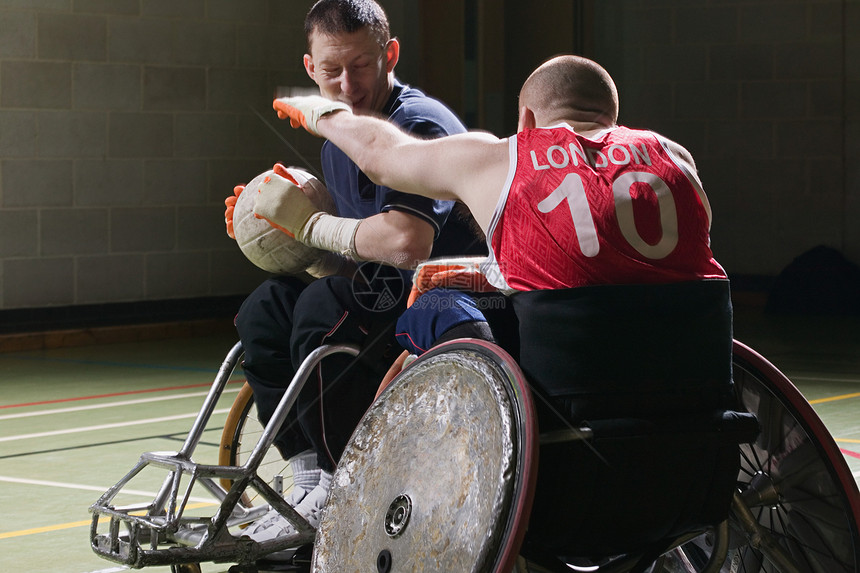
x: 306, y: 476
x: 325, y: 480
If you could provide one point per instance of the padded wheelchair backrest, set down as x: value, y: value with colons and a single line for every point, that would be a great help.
x: 628, y: 350
x: 648, y: 369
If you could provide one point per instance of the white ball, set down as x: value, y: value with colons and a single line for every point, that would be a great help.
x: 267, y: 247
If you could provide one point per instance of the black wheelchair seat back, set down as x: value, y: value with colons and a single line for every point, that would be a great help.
x: 629, y: 350
x: 648, y: 369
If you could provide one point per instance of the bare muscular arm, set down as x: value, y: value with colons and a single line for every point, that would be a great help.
x: 394, y: 237
x: 471, y: 167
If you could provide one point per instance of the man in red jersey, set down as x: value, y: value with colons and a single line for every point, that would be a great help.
x: 596, y: 202
x: 572, y: 201
x: 600, y: 233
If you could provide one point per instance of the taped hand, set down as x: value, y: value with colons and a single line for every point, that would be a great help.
x: 282, y: 203
x: 305, y: 111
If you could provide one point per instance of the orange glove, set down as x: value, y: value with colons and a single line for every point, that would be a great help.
x: 465, y: 278
x: 305, y: 111
x: 458, y: 276
x: 282, y: 203
x: 230, y: 202
x: 282, y: 171
x: 423, y: 279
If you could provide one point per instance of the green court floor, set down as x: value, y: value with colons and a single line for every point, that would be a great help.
x: 74, y: 420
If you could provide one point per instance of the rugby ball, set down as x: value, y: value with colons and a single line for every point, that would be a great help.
x: 268, y: 247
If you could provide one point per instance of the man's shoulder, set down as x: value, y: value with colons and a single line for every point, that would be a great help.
x: 639, y: 134
x: 416, y: 111
x: 673, y: 149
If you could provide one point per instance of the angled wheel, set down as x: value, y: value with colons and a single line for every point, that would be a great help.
x: 439, y: 474
x: 242, y: 431
x: 798, y: 508
x: 795, y: 480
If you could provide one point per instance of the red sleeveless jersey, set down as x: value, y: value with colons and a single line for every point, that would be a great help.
x: 622, y: 208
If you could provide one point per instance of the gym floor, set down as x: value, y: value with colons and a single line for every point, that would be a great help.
x: 76, y: 418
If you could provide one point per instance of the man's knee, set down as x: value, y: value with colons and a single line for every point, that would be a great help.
x: 264, y: 323
x: 326, y: 302
x: 326, y: 293
x: 272, y: 303
x: 440, y: 315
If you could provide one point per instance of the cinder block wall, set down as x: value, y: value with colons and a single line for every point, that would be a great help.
x: 766, y: 95
x: 123, y: 126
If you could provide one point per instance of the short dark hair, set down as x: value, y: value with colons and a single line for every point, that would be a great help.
x: 569, y: 84
x: 346, y: 16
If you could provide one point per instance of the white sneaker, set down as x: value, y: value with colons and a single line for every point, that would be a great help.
x: 273, y: 525
x: 312, y: 505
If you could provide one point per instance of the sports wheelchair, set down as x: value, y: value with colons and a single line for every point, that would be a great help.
x: 440, y: 475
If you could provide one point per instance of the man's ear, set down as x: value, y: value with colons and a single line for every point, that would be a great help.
x: 392, y: 54
x: 309, y: 66
x: 526, y: 119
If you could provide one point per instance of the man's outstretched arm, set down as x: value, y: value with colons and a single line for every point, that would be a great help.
x: 470, y: 167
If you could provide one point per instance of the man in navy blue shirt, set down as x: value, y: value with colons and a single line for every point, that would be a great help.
x: 376, y: 238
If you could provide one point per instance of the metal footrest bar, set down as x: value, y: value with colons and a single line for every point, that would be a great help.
x: 161, y: 533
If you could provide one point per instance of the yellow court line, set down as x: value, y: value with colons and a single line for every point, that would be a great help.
x: 72, y: 524
x: 849, y: 440
x: 834, y: 398
x: 45, y: 529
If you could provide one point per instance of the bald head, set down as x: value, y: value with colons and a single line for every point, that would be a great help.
x: 571, y: 88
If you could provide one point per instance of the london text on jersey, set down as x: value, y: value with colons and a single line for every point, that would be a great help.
x: 559, y: 157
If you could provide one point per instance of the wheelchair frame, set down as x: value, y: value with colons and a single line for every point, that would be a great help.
x: 159, y: 533
x: 194, y: 540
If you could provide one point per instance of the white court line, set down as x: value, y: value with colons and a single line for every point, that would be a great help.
x: 56, y: 484
x: 110, y: 404
x: 107, y: 426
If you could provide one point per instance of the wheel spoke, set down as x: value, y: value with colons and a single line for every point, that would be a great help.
x: 791, y: 479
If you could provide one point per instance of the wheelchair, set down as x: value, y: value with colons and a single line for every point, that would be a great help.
x: 441, y: 472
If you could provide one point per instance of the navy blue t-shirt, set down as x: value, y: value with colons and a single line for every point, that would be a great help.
x: 356, y: 196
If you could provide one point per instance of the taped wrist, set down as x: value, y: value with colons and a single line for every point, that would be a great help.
x: 335, y: 234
